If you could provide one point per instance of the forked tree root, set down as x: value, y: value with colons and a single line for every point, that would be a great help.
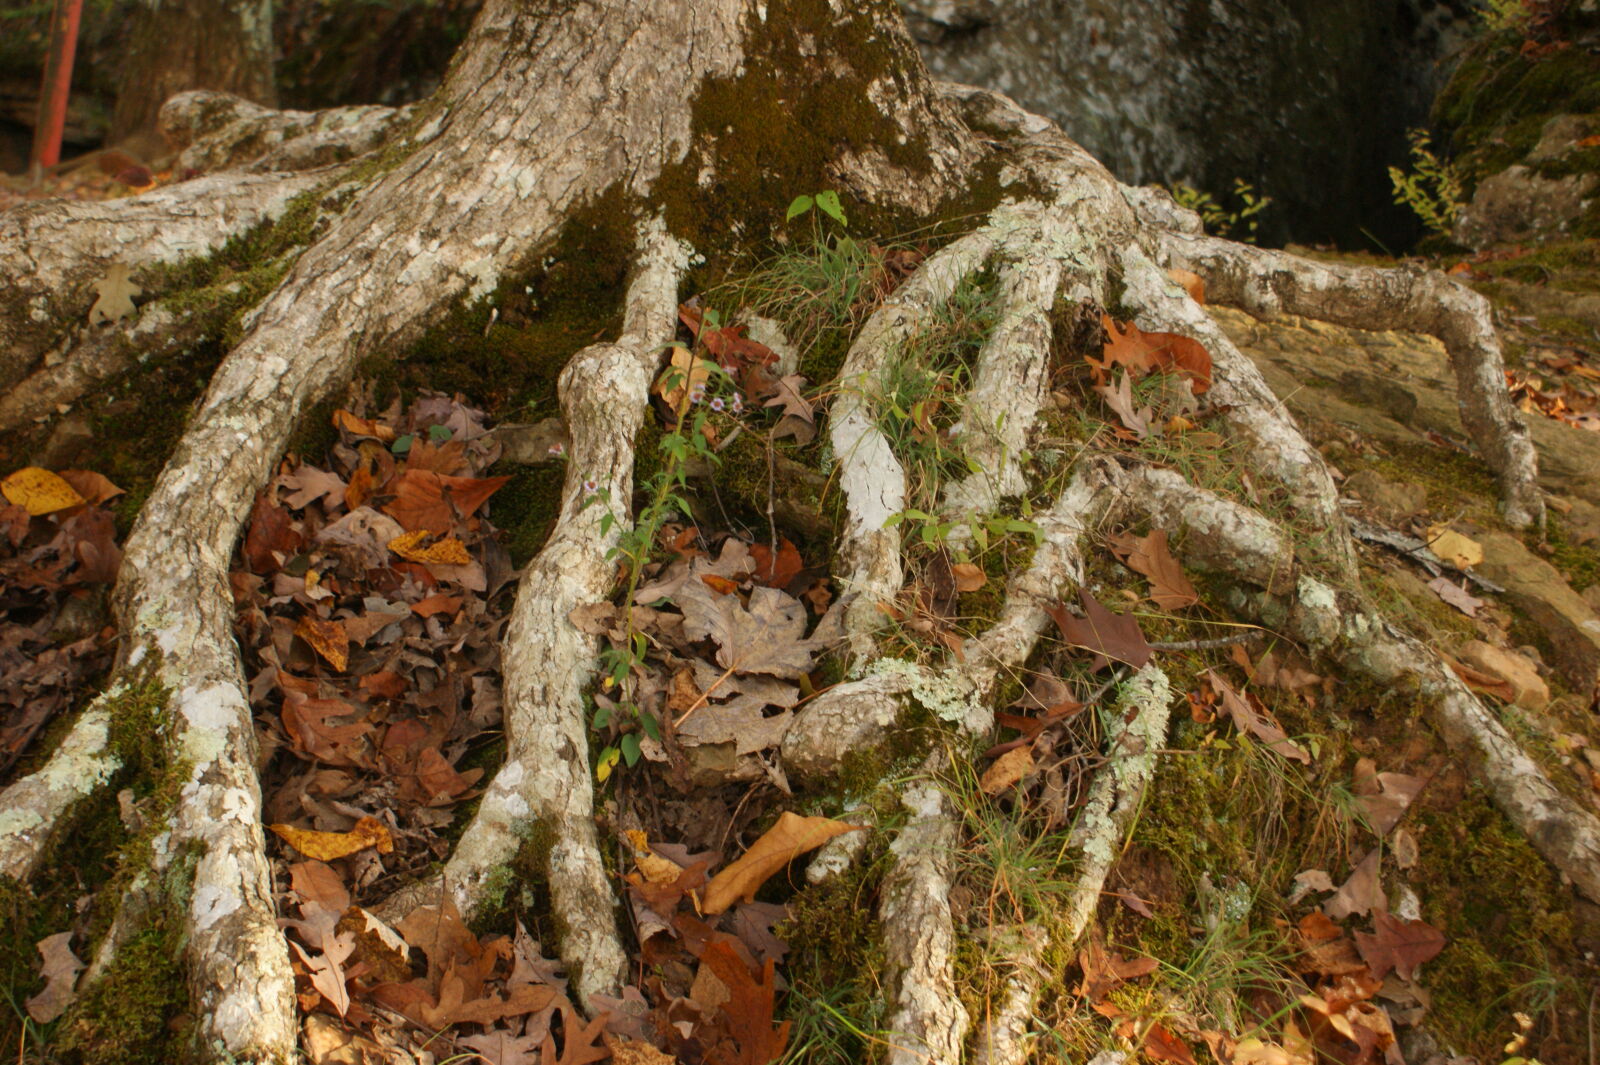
x: 546, y: 781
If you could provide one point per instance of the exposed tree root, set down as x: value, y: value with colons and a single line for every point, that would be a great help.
x: 545, y: 789
x: 1267, y: 283
x: 220, y: 131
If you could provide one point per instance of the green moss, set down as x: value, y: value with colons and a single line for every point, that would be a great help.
x: 778, y: 127
x: 527, y: 507
x: 131, y: 1016
x: 1506, y: 916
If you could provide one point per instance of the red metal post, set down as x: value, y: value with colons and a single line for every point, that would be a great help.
x: 57, y: 83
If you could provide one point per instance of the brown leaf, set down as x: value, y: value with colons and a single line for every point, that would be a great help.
x: 1143, y: 353
x: 113, y: 296
x: 1104, y: 970
x: 1120, y: 399
x: 1325, y: 949
x: 1162, y: 1045
x: 1361, y: 893
x: 330, y: 846
x: 1151, y: 556
x: 1192, y: 283
x: 1007, y: 770
x: 1108, y: 635
x: 60, y: 970
x: 327, y: 638
x: 437, y: 604
x: 1398, y: 944
x: 968, y: 577
x: 1384, y: 797
x: 791, y: 837
x: 309, y: 484
x: 768, y: 636
x: 424, y: 500
x: 750, y: 1005
x: 1249, y: 715
x: 93, y: 487
x: 1456, y: 596
x: 777, y: 572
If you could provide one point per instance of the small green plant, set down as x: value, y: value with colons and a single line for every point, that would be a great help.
x: 826, y: 201
x: 1500, y: 16
x: 1432, y: 189
x: 685, y: 444
x: 1223, y: 221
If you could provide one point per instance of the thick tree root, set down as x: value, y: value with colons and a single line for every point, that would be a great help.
x: 1238, y: 542
x: 220, y: 131
x: 1266, y: 283
x: 52, y: 252
x: 546, y: 786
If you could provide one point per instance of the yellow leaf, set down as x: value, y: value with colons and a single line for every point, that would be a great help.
x: 1460, y: 551
x: 683, y: 376
x: 447, y: 552
x: 328, y: 846
x: 39, y: 491
x: 327, y: 638
x: 343, y: 419
x: 656, y: 869
x: 608, y: 761
x: 785, y: 841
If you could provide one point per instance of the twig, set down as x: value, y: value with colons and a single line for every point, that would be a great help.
x: 1208, y: 645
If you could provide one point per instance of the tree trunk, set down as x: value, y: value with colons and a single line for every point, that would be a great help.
x: 694, y: 125
x: 224, y: 45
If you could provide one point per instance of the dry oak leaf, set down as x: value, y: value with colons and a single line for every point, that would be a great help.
x: 1120, y: 399
x: 330, y: 846
x: 446, y: 552
x: 1249, y: 715
x: 779, y: 845
x: 1384, y: 797
x: 60, y: 970
x: 327, y: 638
x: 1192, y: 283
x: 1008, y: 769
x: 1161, y: 1045
x: 1108, y: 635
x: 1143, y: 352
x: 38, y: 491
x: 1104, y: 969
x: 1460, y: 551
x: 1361, y: 893
x: 750, y: 1005
x: 114, y: 296
x: 1151, y: 556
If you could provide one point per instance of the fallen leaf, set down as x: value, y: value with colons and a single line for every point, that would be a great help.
x: 437, y: 604
x: 39, y: 492
x: 1151, y: 556
x: 767, y: 636
x: 327, y: 638
x: 1104, y: 969
x: 424, y: 500
x: 1129, y: 346
x: 1405, y: 848
x: 1162, y: 1045
x: 1456, y: 596
x: 60, y: 969
x: 93, y: 487
x: 791, y: 837
x: 1325, y: 949
x: 446, y: 552
x: 329, y: 846
x: 777, y: 572
x: 1249, y: 715
x: 1398, y: 944
x: 114, y: 296
x: 1108, y: 635
x: 1192, y: 283
x: 654, y: 868
x: 1361, y: 893
x: 1006, y: 770
x: 750, y: 1005
x: 1120, y: 399
x: 968, y: 577
x: 1384, y: 797
x: 1460, y: 551
x: 343, y: 419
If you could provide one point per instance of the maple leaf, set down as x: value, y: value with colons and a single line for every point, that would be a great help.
x: 1361, y: 893
x: 779, y: 845
x: 429, y: 501
x: 749, y: 1007
x: 1398, y: 944
x: 765, y: 637
x: 1108, y: 635
x: 1249, y: 715
x: 1384, y: 797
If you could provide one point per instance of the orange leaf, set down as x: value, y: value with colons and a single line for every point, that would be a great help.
x: 328, y: 846
x: 359, y: 490
x: 791, y: 837
x: 777, y: 572
x: 437, y: 604
x: 720, y: 585
x: 343, y: 419
x: 427, y: 500
x: 1192, y: 283
x: 327, y: 638
x: 1162, y: 1045
x: 38, y: 491
x: 447, y: 552
x: 1006, y: 770
x: 968, y: 578
x: 1145, y: 353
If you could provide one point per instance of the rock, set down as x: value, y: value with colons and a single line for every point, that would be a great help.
x: 1582, y: 522
x: 1560, y: 137
x: 1518, y: 204
x: 1393, y: 387
x: 1529, y: 689
x: 1536, y: 589
x: 1591, y: 595
x: 1390, y: 499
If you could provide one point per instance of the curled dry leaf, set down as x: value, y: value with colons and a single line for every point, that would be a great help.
x: 1456, y: 596
x: 1361, y: 893
x: 1150, y: 556
x: 1249, y: 715
x: 1108, y: 635
x: 1458, y: 550
x: 60, y: 970
x: 343, y: 419
x: 1192, y: 283
x: 785, y: 841
x: 329, y: 846
x: 1007, y: 770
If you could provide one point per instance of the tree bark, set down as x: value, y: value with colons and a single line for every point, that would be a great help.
x: 225, y: 45
x: 652, y: 110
